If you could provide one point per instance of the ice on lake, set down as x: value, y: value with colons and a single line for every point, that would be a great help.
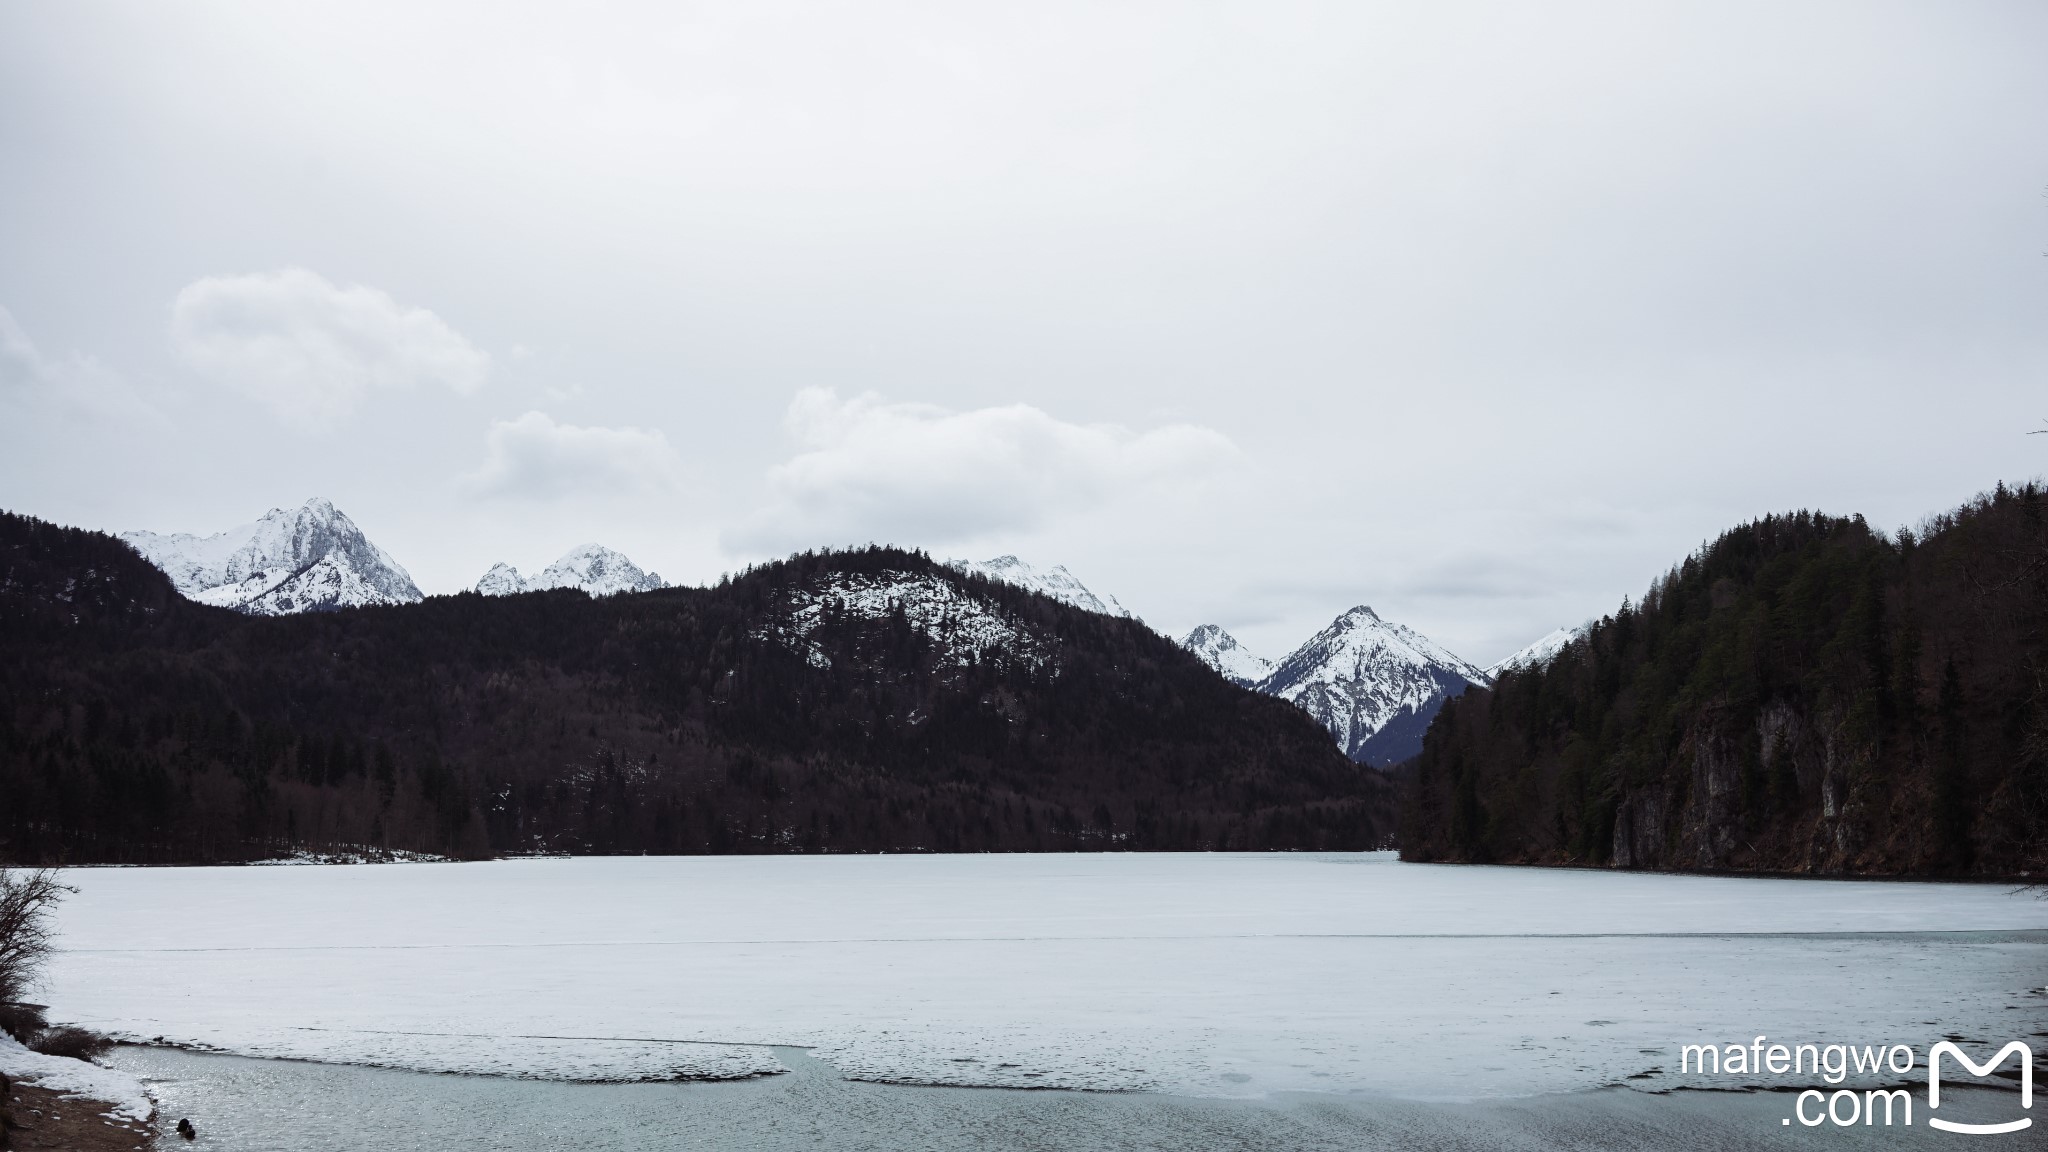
x: 1206, y: 975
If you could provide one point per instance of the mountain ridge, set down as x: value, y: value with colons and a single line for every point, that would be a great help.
x: 869, y: 700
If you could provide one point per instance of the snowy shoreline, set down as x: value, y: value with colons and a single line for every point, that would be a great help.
x: 2022, y: 882
x: 122, y: 1092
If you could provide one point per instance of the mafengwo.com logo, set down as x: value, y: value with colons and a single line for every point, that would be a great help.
x: 1843, y: 1107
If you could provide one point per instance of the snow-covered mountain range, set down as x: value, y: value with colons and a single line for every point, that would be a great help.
x: 307, y: 559
x: 1375, y: 685
x: 1055, y: 582
x: 592, y: 567
x: 1535, y: 655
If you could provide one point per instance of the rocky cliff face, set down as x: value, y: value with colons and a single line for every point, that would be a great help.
x: 1730, y: 769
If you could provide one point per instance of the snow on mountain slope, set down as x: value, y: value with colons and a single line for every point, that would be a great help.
x: 1373, y: 684
x: 1535, y: 655
x: 963, y: 628
x: 592, y: 567
x: 309, y: 559
x: 502, y: 580
x: 1057, y: 583
x: 1221, y: 651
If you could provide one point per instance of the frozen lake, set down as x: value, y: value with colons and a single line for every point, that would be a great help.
x: 1209, y: 976
x: 244, y: 1105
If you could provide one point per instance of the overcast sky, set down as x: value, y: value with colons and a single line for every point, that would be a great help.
x: 1480, y: 314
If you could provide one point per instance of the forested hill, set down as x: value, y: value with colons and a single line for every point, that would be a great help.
x: 854, y: 701
x: 1802, y: 695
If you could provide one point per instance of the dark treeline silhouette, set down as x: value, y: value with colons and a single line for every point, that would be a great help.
x: 138, y: 726
x: 1802, y: 695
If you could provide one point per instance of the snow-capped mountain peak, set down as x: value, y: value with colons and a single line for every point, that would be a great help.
x: 595, y: 569
x: 308, y: 559
x: 1374, y: 684
x: 1535, y: 655
x: 1055, y: 582
x: 502, y: 580
x: 1221, y: 651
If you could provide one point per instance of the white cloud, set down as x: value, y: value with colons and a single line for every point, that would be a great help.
x: 309, y: 349
x: 918, y: 474
x: 535, y: 458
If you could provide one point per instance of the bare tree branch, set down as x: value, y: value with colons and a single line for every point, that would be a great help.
x: 27, y: 898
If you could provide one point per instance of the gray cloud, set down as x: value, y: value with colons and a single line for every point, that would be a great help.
x: 535, y: 458
x: 309, y: 350
x: 919, y: 474
x: 1501, y: 308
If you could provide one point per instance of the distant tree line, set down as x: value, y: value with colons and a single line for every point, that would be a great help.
x: 136, y: 726
x: 1804, y: 694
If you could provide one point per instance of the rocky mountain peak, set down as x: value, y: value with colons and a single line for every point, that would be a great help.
x: 1221, y: 651
x: 1374, y: 684
x: 594, y: 568
x: 1055, y: 582
x: 311, y: 558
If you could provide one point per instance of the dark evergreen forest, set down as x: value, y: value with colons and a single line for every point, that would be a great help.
x: 137, y: 726
x: 1804, y: 694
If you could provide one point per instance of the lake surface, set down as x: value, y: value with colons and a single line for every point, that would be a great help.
x: 1209, y: 988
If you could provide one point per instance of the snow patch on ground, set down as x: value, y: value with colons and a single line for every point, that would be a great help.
x: 76, y: 1078
x: 963, y: 627
x: 356, y: 855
